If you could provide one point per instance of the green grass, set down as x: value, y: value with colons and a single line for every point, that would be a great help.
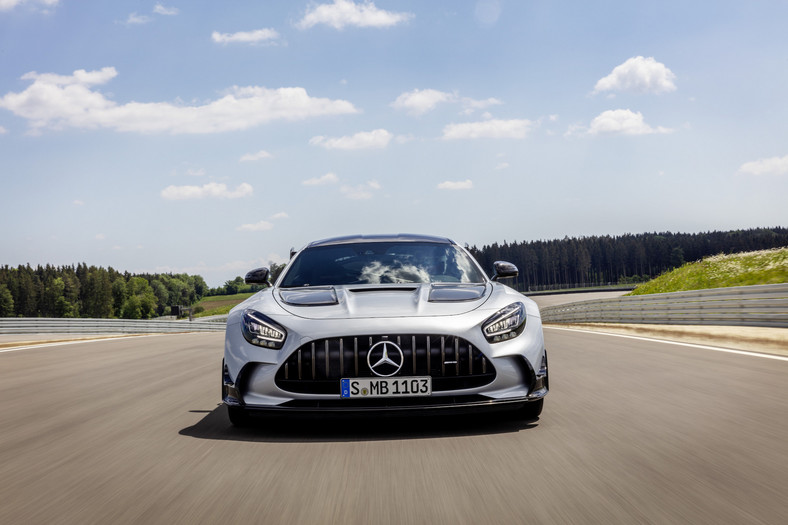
x: 220, y: 304
x: 721, y: 271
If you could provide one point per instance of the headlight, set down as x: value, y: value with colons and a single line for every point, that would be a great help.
x: 506, y: 324
x: 262, y: 331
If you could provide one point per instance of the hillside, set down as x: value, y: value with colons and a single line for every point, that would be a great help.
x: 219, y: 304
x: 720, y: 271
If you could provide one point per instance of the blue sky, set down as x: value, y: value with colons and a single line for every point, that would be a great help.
x: 210, y: 137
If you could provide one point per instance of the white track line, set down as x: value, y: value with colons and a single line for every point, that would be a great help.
x: 691, y: 345
x: 74, y: 342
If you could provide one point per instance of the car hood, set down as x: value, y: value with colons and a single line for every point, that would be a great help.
x: 364, y: 301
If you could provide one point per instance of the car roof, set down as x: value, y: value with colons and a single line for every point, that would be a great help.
x: 399, y: 237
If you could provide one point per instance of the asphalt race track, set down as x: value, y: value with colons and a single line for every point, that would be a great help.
x: 634, y: 431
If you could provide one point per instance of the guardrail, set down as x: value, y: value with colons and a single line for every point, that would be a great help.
x: 762, y: 305
x: 222, y: 318
x: 41, y: 325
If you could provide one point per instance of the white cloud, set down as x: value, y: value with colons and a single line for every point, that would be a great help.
x: 7, y: 5
x: 57, y: 102
x: 80, y: 77
x: 135, y: 19
x: 456, y: 185
x: 420, y: 101
x: 78, y: 202
x: 256, y: 227
x: 502, y: 166
x: 622, y: 122
x: 3, y: 130
x: 280, y: 215
x: 212, y: 189
x: 470, y: 105
x: 770, y: 166
x: 100, y: 237
x: 245, y: 37
x: 495, y: 129
x: 362, y: 191
x: 262, y: 154
x: 378, y: 138
x: 166, y: 11
x: 638, y: 75
x: 328, y: 178
x: 195, y: 172
x: 344, y: 13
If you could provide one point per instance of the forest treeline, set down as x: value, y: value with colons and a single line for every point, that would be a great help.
x: 88, y: 291
x: 630, y: 258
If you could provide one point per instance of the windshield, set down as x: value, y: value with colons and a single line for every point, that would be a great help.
x: 381, y: 263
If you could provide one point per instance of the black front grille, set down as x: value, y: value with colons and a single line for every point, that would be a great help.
x: 317, y: 367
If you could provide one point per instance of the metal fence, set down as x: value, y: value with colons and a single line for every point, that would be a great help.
x: 763, y: 305
x: 41, y: 325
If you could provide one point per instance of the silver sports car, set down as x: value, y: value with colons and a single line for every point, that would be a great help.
x: 384, y: 324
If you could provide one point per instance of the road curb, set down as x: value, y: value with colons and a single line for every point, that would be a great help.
x: 754, y: 339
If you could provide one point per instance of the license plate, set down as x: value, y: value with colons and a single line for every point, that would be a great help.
x: 386, y: 387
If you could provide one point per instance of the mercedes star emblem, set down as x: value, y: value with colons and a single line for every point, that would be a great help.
x: 383, y: 360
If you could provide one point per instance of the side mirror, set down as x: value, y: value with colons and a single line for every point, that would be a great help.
x: 504, y: 270
x: 258, y: 276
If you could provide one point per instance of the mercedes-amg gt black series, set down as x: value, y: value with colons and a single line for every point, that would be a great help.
x: 384, y: 323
